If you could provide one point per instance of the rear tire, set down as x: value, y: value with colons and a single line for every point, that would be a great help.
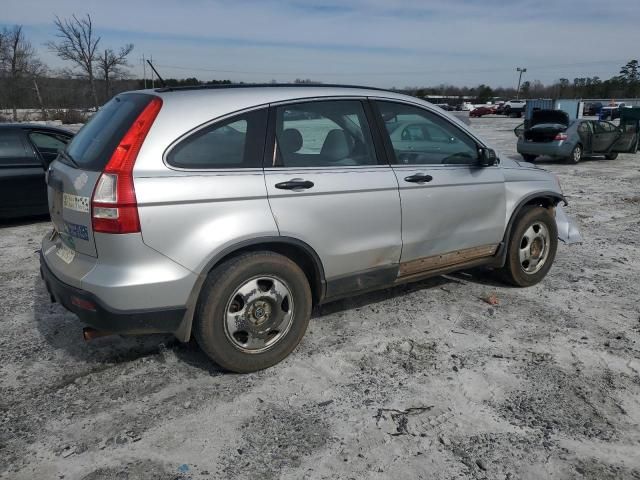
x: 531, y: 248
x: 529, y: 158
x: 253, y: 311
x: 576, y: 154
x: 611, y: 156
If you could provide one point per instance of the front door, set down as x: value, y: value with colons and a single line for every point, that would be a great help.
x: 453, y: 210
x: 329, y: 187
x: 629, y: 129
x: 604, y: 135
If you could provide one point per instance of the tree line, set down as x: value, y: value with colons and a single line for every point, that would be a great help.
x: 624, y: 85
x: 94, y: 73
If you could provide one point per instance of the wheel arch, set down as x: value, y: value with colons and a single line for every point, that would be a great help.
x: 296, y: 250
x: 546, y: 199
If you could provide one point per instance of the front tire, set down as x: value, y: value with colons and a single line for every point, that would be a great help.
x: 531, y: 248
x: 576, y: 154
x: 611, y: 156
x: 528, y: 157
x: 253, y: 311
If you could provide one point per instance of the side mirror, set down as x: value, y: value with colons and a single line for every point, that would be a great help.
x: 488, y: 157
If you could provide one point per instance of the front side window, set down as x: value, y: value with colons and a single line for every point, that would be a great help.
x: 323, y: 134
x: 237, y: 142
x: 419, y: 137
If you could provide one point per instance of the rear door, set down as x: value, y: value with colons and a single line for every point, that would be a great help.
x: 329, y: 186
x: 72, y: 177
x: 22, y: 187
x: 452, y: 209
x: 585, y: 132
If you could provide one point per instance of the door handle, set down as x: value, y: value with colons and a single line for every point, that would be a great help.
x: 418, y: 178
x: 295, y: 184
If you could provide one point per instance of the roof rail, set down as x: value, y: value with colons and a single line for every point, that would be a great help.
x: 222, y: 86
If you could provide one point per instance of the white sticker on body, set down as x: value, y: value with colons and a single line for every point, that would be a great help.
x: 75, y: 202
x: 80, y: 181
x: 65, y: 253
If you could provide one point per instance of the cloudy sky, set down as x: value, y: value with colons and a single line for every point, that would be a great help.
x: 371, y: 42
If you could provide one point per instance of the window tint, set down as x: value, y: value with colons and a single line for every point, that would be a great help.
x: 420, y: 137
x: 11, y: 147
x: 584, y: 128
x: 323, y: 134
x: 605, y: 127
x: 234, y: 143
x: 46, y: 141
x: 93, y: 145
x: 48, y: 144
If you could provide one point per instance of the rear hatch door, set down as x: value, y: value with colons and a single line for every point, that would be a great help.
x: 72, y: 177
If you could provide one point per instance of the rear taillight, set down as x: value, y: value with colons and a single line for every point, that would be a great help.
x: 560, y: 136
x: 113, y: 205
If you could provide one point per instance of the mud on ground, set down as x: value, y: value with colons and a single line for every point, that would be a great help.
x: 420, y: 381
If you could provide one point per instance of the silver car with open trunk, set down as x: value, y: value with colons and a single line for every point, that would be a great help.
x: 227, y: 213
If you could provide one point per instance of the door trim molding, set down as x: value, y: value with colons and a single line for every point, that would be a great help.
x: 444, y: 260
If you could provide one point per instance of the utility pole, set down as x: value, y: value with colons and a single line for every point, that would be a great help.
x: 144, y: 71
x: 521, y: 70
x: 152, y: 77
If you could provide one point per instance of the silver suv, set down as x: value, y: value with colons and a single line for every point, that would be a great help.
x: 227, y: 213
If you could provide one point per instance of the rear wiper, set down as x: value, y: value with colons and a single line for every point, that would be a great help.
x: 69, y: 158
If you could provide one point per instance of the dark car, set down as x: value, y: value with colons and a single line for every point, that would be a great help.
x: 25, y: 153
x: 483, y: 110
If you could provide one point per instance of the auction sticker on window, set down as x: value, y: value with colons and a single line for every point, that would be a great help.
x: 65, y: 253
x: 75, y: 202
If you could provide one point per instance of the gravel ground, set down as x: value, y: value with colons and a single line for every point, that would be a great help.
x: 421, y: 381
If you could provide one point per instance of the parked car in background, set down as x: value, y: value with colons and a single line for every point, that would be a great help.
x: 552, y: 134
x: 445, y: 106
x: 479, y: 111
x: 163, y: 221
x: 512, y: 108
x: 26, y: 151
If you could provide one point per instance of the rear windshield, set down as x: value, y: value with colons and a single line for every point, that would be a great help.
x: 93, y: 145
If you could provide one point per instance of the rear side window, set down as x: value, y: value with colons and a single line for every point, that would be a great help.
x: 237, y: 142
x: 92, y: 147
x: 11, y: 148
x: 328, y: 133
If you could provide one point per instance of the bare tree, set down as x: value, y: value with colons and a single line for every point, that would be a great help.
x: 79, y: 45
x: 4, y: 36
x: 111, y: 66
x: 19, y: 64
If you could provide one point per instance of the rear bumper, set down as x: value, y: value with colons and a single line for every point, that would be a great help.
x: 95, y: 313
x: 550, y: 149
